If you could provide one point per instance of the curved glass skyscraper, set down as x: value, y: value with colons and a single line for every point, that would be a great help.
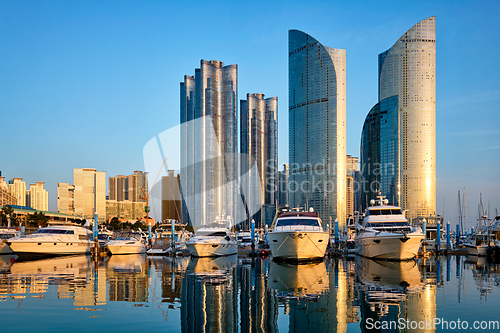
x: 317, y: 126
x: 405, y: 119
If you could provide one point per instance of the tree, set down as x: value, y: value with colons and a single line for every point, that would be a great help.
x: 138, y: 225
x: 115, y: 223
x: 37, y: 219
x: 8, y: 213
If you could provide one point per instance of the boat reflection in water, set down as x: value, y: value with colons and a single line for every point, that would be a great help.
x: 209, y: 300
x: 71, y: 277
x: 393, y: 292
x: 304, y: 282
x: 126, y: 276
x: 6, y: 260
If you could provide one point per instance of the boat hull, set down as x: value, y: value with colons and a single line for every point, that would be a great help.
x: 199, y: 249
x: 126, y: 248
x: 477, y: 250
x: 388, y: 245
x: 50, y: 248
x: 298, y: 245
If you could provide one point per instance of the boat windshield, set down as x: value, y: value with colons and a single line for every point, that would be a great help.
x: 386, y: 224
x: 7, y: 236
x: 54, y: 231
x: 392, y: 211
x: 297, y: 221
x: 211, y: 233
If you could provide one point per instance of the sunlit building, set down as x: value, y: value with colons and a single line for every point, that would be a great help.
x: 398, y: 144
x: 317, y: 126
x: 259, y: 137
x: 66, y: 198
x: 89, y: 193
x: 18, y: 189
x: 6, y: 198
x: 209, y: 145
x: 38, y: 197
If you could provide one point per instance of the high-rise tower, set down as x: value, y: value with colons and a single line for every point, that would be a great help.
x: 259, y: 121
x: 209, y: 142
x: 399, y: 135
x: 317, y: 126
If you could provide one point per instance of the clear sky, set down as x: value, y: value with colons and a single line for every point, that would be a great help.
x: 85, y: 84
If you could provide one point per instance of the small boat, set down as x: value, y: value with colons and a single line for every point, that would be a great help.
x: 126, y: 242
x: 244, y: 240
x: 6, y: 233
x: 213, y: 240
x: 162, y: 244
x: 298, y: 236
x: 103, y: 235
x: 384, y: 233
x: 56, y: 239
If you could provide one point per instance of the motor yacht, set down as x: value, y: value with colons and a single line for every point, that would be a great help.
x: 213, y: 240
x: 384, y: 233
x: 298, y: 236
x: 126, y: 242
x: 6, y: 233
x: 56, y: 239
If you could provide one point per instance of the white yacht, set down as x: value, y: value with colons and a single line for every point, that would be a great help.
x: 214, y: 240
x: 6, y: 233
x: 163, y: 244
x: 298, y: 236
x: 55, y: 239
x: 126, y: 242
x: 384, y: 233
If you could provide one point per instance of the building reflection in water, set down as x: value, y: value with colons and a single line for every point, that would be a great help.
x: 393, y: 292
x: 75, y: 277
x: 127, y: 278
x: 209, y: 295
x: 258, y: 306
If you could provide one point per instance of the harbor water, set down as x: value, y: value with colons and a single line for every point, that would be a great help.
x: 135, y: 293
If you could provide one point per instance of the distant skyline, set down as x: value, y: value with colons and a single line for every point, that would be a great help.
x: 86, y: 84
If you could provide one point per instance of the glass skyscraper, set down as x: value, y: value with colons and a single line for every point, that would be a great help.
x: 317, y: 126
x: 399, y: 133
x: 259, y: 123
x: 209, y: 142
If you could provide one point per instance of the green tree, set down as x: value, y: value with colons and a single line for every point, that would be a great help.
x: 139, y: 224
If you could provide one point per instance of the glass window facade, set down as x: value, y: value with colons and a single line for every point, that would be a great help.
x: 408, y: 70
x: 317, y: 126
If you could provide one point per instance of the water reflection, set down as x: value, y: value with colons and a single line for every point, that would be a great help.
x: 210, y: 295
x: 252, y: 294
x: 393, y: 292
x: 127, y: 278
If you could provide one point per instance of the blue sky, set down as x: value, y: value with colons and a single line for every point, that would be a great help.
x: 88, y: 83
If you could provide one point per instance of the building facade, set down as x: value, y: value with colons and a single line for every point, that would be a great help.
x: 66, y: 198
x: 38, y: 197
x: 259, y: 138
x: 18, y: 189
x: 398, y: 144
x: 6, y: 198
x: 209, y: 143
x: 317, y: 126
x: 89, y: 193
x: 171, y: 197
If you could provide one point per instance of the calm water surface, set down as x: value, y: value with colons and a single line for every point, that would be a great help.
x: 132, y: 293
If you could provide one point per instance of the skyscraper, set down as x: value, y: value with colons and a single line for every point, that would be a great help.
x: 18, y: 189
x: 89, y: 193
x: 66, y: 198
x: 317, y: 126
x: 259, y: 120
x: 209, y: 145
x: 398, y: 144
x: 38, y: 197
